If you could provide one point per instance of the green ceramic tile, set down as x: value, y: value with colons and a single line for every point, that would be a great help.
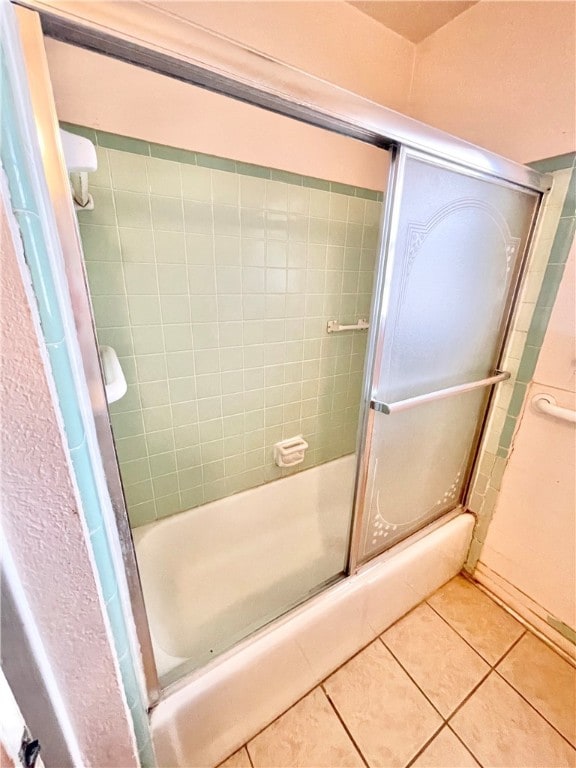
x: 184, y: 414
x: 198, y: 217
x: 170, y: 247
x: 168, y: 505
x: 258, y: 171
x: 100, y: 242
x: 178, y: 338
x: 188, y: 457
x: 157, y: 418
x: 110, y: 311
x: 192, y: 498
x: 131, y: 448
x: 538, y: 326
x: 175, y: 155
x: 154, y: 393
x: 137, y: 245
x: 550, y: 283
x: 148, y: 339
x: 122, y: 143
x: 132, y: 210
x: 190, y: 478
x: 172, y: 279
x: 128, y: 171
x: 130, y: 401
x: 517, y: 400
x: 182, y: 390
x: 139, y: 493
x: 127, y: 424
x: 342, y: 189
x: 175, y: 309
x: 507, y: 432
x: 563, y: 240
x: 163, y: 177
x: 551, y: 164
x: 104, y: 212
x: 135, y: 471
x: 160, y: 442
x: 368, y: 194
x: 218, y: 163
x: 309, y: 181
x: 164, y: 485
x: 163, y: 463
x: 167, y: 213
x: 120, y: 339
x: 141, y: 279
x: 141, y: 514
x: 200, y: 355
x: 528, y: 364
x: 196, y: 183
x: 180, y: 364
x: 286, y: 177
x: 105, y: 278
x: 144, y: 310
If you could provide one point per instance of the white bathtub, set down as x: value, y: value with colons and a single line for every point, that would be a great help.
x: 216, y: 573
x: 208, y: 714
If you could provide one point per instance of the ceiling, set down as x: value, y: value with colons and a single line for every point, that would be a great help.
x: 413, y: 19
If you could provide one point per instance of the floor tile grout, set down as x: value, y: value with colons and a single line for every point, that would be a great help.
x: 445, y: 620
x: 461, y: 740
x: 343, y: 723
x: 510, y: 684
x: 446, y: 720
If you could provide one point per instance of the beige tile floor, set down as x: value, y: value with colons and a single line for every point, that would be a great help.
x: 457, y: 682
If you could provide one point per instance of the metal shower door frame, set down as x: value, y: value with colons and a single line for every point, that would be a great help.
x: 237, y: 71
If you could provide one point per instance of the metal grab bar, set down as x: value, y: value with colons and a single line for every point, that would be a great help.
x: 547, y: 404
x: 439, y: 394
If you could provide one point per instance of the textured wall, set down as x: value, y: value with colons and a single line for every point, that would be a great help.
x: 41, y: 526
x: 215, y: 286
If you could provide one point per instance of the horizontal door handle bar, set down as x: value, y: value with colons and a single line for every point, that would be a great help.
x: 439, y: 394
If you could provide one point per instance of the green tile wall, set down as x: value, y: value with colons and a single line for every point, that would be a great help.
x: 214, y: 280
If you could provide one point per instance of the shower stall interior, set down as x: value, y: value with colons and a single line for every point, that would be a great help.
x: 297, y: 368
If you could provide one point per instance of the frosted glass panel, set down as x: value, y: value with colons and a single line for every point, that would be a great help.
x: 455, y: 257
x: 419, y: 466
x: 455, y: 254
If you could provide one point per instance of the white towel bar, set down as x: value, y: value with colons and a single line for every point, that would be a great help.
x: 547, y: 404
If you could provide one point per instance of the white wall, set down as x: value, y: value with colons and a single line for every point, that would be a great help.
x: 531, y: 541
x: 330, y: 39
x: 502, y: 75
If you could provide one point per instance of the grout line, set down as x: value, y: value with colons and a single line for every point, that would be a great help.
x: 513, y: 687
x: 445, y: 620
x: 397, y: 660
x: 473, y: 691
x: 249, y: 755
x: 341, y: 719
x: 425, y: 746
x: 451, y: 729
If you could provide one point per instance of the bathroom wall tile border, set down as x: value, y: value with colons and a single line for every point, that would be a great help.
x: 547, y: 265
x: 18, y: 152
x: 164, y: 152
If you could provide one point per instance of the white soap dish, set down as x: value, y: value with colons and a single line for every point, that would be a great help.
x: 290, y: 452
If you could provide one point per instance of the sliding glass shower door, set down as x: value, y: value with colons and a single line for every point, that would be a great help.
x: 453, y: 250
